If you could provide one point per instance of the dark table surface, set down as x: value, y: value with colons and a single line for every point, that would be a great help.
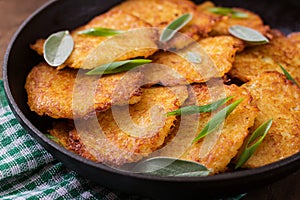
x: 14, y: 12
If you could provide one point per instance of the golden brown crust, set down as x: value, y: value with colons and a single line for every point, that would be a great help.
x: 217, y: 149
x: 160, y: 13
x: 108, y: 129
x: 78, y: 147
x: 120, y: 142
x: 63, y: 94
x: 258, y: 59
x: 155, y: 12
x: 277, y: 99
x: 60, y: 130
x: 85, y: 45
x: 295, y: 38
x: 63, y: 130
x: 223, y: 23
x: 219, y: 53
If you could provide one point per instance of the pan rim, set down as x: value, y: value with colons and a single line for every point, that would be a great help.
x: 228, y: 176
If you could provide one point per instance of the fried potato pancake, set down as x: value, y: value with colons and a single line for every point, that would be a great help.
x: 223, y: 23
x: 258, y: 59
x: 61, y: 130
x: 155, y: 12
x: 216, y: 150
x: 295, y: 38
x: 160, y: 13
x: 130, y: 133
x: 85, y: 45
x: 217, y: 56
x: 277, y: 99
x: 68, y: 94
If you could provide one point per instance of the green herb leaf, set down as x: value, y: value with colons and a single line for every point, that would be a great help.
x: 174, y: 26
x: 228, y: 12
x: 249, y: 150
x: 189, y: 110
x: 53, y: 138
x: 248, y: 34
x: 237, y: 197
x: 165, y: 166
x: 216, y: 120
x: 58, y: 47
x: 117, y: 67
x: 288, y: 75
x: 194, y: 57
x: 100, y: 32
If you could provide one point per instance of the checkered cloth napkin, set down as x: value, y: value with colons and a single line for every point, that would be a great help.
x: 28, y: 171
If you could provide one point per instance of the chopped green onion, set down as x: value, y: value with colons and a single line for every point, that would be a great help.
x: 117, y: 67
x: 216, y: 120
x: 288, y: 75
x: 189, y: 110
x: 228, y: 12
x: 100, y: 32
x: 53, y: 138
x: 249, y: 150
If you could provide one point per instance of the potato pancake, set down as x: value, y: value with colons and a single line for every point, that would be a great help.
x: 258, y: 59
x: 129, y: 133
x: 277, y: 99
x: 61, y: 133
x: 223, y: 23
x: 86, y: 45
x: 216, y: 150
x: 67, y: 94
x: 160, y: 13
x: 216, y: 53
x: 295, y: 38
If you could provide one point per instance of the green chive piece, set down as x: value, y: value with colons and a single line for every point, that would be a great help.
x: 249, y: 150
x: 189, y: 110
x: 167, y: 166
x: 58, y: 47
x: 53, y: 138
x: 248, y: 35
x: 228, y: 12
x: 100, y: 32
x: 217, y: 119
x: 117, y: 67
x: 174, y: 26
x: 288, y: 75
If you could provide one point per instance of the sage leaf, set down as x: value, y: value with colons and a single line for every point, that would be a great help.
x: 117, y: 67
x: 174, y: 26
x: 288, y: 75
x: 216, y: 120
x: 100, y: 32
x: 53, y: 138
x: 166, y: 166
x: 58, y: 47
x: 248, y: 151
x: 228, y: 12
x: 194, y: 57
x: 248, y: 34
x: 189, y: 110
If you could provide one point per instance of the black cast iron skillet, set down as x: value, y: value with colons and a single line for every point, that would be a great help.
x: 69, y: 14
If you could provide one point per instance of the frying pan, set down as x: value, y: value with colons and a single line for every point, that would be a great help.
x: 69, y: 14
